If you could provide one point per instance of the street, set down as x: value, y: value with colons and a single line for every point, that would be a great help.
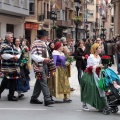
x: 59, y: 111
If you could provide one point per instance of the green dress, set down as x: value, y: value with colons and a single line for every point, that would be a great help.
x: 89, y: 91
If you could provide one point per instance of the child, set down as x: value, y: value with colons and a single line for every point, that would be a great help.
x: 116, y: 86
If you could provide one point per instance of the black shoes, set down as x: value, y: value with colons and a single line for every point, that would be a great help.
x: 12, y: 98
x: 49, y: 102
x: 21, y: 95
x: 35, y: 101
x: 67, y: 100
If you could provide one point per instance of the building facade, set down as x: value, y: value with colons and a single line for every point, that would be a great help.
x: 38, y: 19
x: 116, y: 4
x: 12, y: 16
x: 65, y: 15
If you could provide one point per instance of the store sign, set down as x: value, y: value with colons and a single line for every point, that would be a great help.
x: 31, y: 26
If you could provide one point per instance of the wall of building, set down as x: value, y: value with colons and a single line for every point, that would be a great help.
x: 17, y: 22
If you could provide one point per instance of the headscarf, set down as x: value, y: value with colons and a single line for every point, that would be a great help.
x: 57, y: 45
x: 94, y: 47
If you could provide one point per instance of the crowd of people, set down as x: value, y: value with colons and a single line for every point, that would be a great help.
x: 51, y: 62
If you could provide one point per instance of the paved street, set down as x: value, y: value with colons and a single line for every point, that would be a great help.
x: 59, y: 111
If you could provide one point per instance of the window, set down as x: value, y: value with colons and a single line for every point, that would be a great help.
x: 90, y: 13
x: 112, y: 19
x: 63, y: 15
x: 45, y: 10
x: 16, y: 2
x: 97, y: 9
x: 90, y: 1
x: 66, y: 14
x: 58, y: 15
x: 10, y: 28
x: 6, y: 1
x: 32, y: 7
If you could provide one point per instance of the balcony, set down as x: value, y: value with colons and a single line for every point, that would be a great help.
x: 15, y: 7
x: 63, y: 23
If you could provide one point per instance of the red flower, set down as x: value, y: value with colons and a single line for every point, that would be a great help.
x: 86, y: 56
x: 105, y: 57
x: 26, y: 49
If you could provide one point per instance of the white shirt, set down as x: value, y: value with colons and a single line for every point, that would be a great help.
x: 92, y: 61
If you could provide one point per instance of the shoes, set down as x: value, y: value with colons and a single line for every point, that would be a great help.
x: 72, y: 89
x: 21, y: 95
x: 67, y: 100
x: 35, y: 101
x: 49, y: 102
x: 85, y: 108
x: 13, y: 98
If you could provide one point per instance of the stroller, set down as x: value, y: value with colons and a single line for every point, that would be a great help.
x: 113, y: 98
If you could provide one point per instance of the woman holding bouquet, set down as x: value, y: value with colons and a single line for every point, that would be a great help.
x: 61, y: 86
x: 81, y: 59
x: 90, y: 93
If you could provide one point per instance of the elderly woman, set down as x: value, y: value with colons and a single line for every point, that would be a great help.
x: 61, y: 86
x: 90, y: 93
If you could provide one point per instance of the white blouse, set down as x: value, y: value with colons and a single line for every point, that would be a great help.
x: 92, y: 61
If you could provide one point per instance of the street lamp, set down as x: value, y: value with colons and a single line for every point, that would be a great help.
x: 53, y: 16
x: 102, y: 27
x: 86, y: 29
x: 77, y: 6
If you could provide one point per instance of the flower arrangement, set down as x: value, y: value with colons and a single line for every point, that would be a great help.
x: 69, y: 59
x: 106, y: 60
x: 54, y: 27
x: 77, y: 19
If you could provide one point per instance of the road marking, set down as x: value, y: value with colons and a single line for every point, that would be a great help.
x: 25, y: 109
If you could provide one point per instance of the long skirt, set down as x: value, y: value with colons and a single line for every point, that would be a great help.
x: 90, y: 93
x: 59, y: 84
x: 23, y: 82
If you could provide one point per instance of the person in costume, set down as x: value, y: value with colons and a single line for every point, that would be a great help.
x: 61, y: 86
x: 90, y: 93
x: 40, y: 57
x: 23, y: 82
x: 10, y: 66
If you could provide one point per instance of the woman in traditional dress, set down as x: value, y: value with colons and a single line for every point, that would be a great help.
x: 23, y: 81
x: 90, y: 93
x: 61, y: 86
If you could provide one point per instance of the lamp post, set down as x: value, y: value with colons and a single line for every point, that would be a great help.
x: 86, y: 29
x: 77, y: 6
x: 53, y: 16
x: 103, y: 29
x: 95, y: 30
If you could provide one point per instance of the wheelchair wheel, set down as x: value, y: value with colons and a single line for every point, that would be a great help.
x: 106, y: 111
x: 115, y: 110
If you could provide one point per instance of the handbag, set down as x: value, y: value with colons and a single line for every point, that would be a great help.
x: 101, y: 83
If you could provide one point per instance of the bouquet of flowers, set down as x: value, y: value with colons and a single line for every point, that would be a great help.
x: 69, y: 59
x: 106, y: 60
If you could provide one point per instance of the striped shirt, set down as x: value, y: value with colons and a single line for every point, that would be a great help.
x: 9, y: 65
